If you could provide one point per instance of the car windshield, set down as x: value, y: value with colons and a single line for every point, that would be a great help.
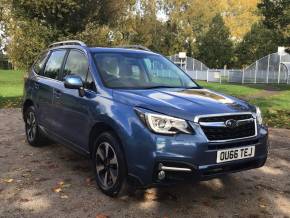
x: 140, y: 71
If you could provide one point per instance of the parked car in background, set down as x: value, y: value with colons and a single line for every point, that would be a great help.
x: 139, y: 118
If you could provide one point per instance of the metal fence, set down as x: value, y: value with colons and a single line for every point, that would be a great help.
x: 274, y: 68
x: 188, y: 63
x: 217, y: 75
x: 269, y: 69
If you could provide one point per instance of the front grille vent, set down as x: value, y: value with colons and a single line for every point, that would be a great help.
x: 216, y: 129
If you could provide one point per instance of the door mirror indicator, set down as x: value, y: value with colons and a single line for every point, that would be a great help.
x: 74, y: 82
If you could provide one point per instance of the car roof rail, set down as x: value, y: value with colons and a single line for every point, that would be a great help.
x: 140, y: 47
x: 68, y: 42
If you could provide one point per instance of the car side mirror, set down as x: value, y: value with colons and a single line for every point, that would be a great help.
x: 74, y: 82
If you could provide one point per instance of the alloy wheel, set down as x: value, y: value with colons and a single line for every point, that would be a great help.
x: 31, y: 126
x: 106, y: 165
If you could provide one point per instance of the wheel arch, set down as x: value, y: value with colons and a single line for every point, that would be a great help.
x: 98, y: 129
x: 26, y: 104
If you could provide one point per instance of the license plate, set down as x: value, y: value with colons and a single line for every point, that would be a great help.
x: 235, y: 154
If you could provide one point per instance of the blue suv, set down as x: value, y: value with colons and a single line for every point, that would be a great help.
x: 139, y: 118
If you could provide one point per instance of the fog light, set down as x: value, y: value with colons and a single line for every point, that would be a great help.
x: 161, y: 175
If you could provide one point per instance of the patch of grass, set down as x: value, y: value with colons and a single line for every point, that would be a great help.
x: 275, y: 108
x: 231, y: 89
x: 10, y: 102
x: 243, y: 91
x: 11, y: 88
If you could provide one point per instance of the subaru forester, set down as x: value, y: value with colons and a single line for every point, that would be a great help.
x: 140, y: 119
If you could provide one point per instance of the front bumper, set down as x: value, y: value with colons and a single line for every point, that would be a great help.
x: 210, y: 169
x: 205, y: 172
x: 197, y: 154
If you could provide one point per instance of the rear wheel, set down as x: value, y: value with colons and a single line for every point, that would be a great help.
x: 33, y: 135
x: 109, y: 164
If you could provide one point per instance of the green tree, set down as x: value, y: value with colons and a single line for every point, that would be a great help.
x: 188, y: 20
x: 27, y: 41
x: 111, y: 12
x: 69, y: 16
x: 33, y: 24
x: 146, y: 29
x: 2, y: 29
x: 257, y: 43
x: 139, y: 26
x: 265, y: 36
x: 215, y: 46
x: 276, y: 17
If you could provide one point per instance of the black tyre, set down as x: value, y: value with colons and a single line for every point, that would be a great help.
x: 33, y: 134
x: 109, y: 165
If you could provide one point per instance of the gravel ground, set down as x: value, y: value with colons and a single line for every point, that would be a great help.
x: 53, y: 181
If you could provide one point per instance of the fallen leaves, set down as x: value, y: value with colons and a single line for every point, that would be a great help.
x: 24, y: 200
x: 60, y: 187
x: 8, y: 180
x: 66, y: 185
x: 89, y: 181
x: 64, y: 197
x: 52, y: 166
x: 27, y: 155
x: 277, y: 118
x: 101, y: 216
x: 26, y: 175
x: 11, y: 102
x: 42, y: 179
x: 206, y: 203
x: 35, y: 161
x: 262, y: 202
x: 56, y: 189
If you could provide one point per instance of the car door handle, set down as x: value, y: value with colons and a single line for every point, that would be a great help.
x: 57, y: 93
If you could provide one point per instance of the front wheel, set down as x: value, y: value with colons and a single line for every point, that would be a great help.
x: 109, y: 164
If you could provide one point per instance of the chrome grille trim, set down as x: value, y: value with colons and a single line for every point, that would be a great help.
x: 196, y: 118
x: 222, y: 124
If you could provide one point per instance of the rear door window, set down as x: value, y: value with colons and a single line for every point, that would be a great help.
x: 54, y: 64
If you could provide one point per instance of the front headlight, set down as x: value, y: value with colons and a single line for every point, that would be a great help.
x: 259, y: 116
x: 164, y: 124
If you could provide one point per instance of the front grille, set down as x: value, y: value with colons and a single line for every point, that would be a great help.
x: 225, y: 118
x: 217, y: 133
